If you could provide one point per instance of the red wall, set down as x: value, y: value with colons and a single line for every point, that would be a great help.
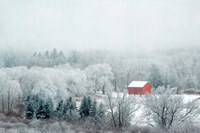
x: 140, y: 91
x: 134, y: 90
x: 147, y: 88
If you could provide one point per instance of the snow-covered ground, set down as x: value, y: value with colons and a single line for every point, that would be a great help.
x: 188, y: 98
x: 139, y: 118
x: 13, y: 125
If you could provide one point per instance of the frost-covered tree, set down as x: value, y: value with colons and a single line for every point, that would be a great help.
x: 76, y: 82
x: 99, y: 77
x: 101, y: 115
x: 97, y: 115
x: 85, y: 107
x: 167, y: 110
x: 29, y: 107
x: 9, y: 92
x: 40, y: 111
x: 74, y: 58
x: 121, y: 110
x: 37, y: 107
x: 155, y: 77
x: 59, y: 109
x: 70, y: 110
x: 29, y: 79
x: 49, y: 108
x: 93, y: 110
x: 91, y: 113
x: 47, y: 59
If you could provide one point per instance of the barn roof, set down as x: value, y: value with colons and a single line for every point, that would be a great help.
x: 137, y: 84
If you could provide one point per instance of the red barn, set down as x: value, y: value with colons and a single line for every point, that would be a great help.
x: 139, y: 88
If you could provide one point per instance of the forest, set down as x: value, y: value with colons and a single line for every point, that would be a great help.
x: 65, y: 86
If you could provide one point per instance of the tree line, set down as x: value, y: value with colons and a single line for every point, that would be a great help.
x: 89, y: 111
x: 173, y: 67
x: 43, y: 86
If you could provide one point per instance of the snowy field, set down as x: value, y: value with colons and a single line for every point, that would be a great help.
x: 36, y: 126
x: 139, y: 119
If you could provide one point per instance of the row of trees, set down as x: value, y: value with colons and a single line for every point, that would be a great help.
x: 46, y: 59
x: 62, y: 81
x: 38, y: 107
x: 90, y: 111
x: 177, y: 68
x: 164, y: 109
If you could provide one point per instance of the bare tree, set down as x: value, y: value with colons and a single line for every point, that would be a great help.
x: 168, y: 110
x: 9, y: 90
x: 121, y: 109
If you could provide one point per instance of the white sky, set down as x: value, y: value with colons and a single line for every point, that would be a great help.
x: 99, y: 24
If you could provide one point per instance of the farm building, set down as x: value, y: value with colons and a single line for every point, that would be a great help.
x: 139, y: 88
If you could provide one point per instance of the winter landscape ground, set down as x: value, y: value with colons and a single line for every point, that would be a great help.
x: 86, y: 91
x: 138, y: 121
x: 69, y: 66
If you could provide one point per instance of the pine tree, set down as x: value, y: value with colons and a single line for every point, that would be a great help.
x: 101, y: 114
x: 70, y: 110
x: 29, y: 108
x: 59, y: 109
x: 70, y: 105
x: 54, y: 54
x: 93, y: 110
x: 40, y: 112
x: 85, y: 107
x: 47, y: 54
x: 35, y: 100
x: 89, y: 104
x: 49, y: 108
x: 93, y: 114
x: 36, y: 106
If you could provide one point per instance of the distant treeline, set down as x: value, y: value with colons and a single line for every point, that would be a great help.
x: 174, y: 68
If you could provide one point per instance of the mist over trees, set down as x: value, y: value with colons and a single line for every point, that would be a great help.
x: 43, y: 85
x: 174, y: 67
x: 65, y: 66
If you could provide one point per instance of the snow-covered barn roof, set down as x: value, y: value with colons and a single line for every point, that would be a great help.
x: 137, y: 84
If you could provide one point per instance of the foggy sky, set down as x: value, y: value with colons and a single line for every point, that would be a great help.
x: 99, y: 24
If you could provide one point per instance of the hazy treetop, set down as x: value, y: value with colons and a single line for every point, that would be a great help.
x: 99, y: 24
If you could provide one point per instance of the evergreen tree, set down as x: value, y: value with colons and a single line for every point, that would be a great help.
x: 47, y: 54
x: 59, y: 109
x: 85, y: 107
x: 35, y: 100
x: 70, y: 105
x: 40, y: 112
x: 70, y: 110
x: 101, y: 115
x: 49, y: 108
x: 74, y: 58
x: 93, y: 114
x: 29, y: 108
x: 36, y: 106
x: 54, y: 54
x: 89, y: 104
x: 93, y: 110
